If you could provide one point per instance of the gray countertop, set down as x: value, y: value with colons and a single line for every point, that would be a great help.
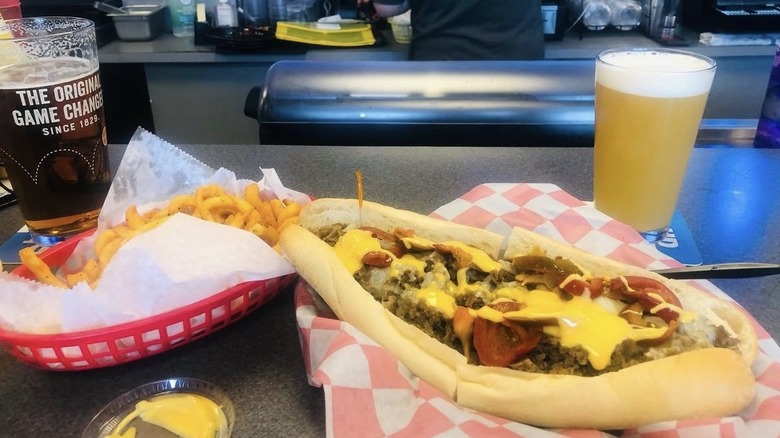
x: 170, y: 49
x: 730, y: 201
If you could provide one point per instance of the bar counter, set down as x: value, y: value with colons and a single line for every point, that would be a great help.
x: 730, y: 200
x: 180, y: 90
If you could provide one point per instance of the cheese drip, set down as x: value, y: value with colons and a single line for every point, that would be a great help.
x: 479, y: 258
x: 436, y: 297
x: 353, y: 245
x: 581, y: 322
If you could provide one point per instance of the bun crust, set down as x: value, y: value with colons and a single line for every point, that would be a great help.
x: 705, y: 382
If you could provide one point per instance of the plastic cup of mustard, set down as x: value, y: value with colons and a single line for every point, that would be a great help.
x: 178, y: 407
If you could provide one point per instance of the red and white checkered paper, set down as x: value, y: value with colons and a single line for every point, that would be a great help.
x: 368, y: 393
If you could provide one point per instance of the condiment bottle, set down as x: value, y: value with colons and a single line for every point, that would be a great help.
x: 226, y: 16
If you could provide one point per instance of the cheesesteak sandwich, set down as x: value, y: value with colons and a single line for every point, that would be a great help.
x: 540, y: 333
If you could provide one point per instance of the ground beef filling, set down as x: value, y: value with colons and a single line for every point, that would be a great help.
x: 550, y: 358
x: 399, y: 296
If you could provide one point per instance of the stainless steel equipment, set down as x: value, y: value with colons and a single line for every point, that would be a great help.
x: 471, y: 103
x: 732, y: 15
x: 139, y: 22
x: 661, y: 21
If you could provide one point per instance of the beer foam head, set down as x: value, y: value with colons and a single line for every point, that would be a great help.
x: 655, y: 73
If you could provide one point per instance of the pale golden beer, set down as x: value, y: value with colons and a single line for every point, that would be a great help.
x: 649, y: 104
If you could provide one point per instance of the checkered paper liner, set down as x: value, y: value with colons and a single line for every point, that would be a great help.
x: 368, y: 393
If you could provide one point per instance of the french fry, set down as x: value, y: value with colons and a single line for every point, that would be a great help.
x: 125, y: 232
x: 268, y: 234
x: 92, y: 269
x: 222, y: 202
x: 104, y: 238
x: 276, y: 208
x: 205, y: 214
x: 290, y: 210
x: 108, y: 251
x: 133, y: 219
x: 288, y: 221
x: 161, y: 213
x: 182, y: 204
x: 267, y: 214
x: 264, y: 218
x: 252, y: 195
x: 152, y: 224
x: 208, y: 191
x: 39, y: 268
x: 78, y: 277
x: 253, y: 218
x: 235, y: 220
x: 244, y: 206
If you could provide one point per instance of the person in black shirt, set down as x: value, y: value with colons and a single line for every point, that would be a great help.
x: 471, y: 29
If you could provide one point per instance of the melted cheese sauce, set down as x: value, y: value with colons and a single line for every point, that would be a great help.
x: 407, y: 263
x: 353, y: 245
x: 438, y: 298
x: 186, y: 415
x: 594, y: 325
x: 582, y: 323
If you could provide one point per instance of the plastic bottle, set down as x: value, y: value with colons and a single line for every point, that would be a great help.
x: 226, y: 15
x: 182, y: 17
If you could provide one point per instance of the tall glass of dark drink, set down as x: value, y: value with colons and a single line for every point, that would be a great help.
x: 52, y: 128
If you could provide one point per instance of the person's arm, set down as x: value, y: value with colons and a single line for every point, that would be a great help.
x: 389, y: 10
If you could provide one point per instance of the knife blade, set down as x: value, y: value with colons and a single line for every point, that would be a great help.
x: 721, y: 270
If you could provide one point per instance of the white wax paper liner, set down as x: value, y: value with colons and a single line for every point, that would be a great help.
x: 368, y: 393
x: 152, y: 171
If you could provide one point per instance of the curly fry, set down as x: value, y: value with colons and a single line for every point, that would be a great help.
x: 133, y: 219
x: 92, y: 269
x: 268, y: 234
x: 291, y: 209
x: 264, y: 218
x: 78, y: 277
x: 276, y: 208
x: 39, y: 268
x: 253, y: 196
x: 104, y: 239
x: 208, y: 191
x: 108, y: 251
x: 182, y: 204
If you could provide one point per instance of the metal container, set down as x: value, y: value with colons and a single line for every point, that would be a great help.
x: 140, y: 23
x: 401, y: 103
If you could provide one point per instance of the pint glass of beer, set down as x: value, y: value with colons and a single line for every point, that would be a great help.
x: 649, y: 104
x: 52, y: 129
